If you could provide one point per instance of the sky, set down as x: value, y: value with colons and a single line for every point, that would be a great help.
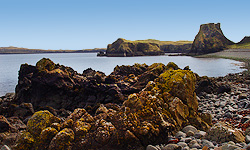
x: 87, y: 24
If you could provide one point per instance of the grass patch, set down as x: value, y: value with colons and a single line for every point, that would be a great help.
x: 239, y: 46
x: 181, y: 42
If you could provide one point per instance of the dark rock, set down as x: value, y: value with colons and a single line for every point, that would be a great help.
x: 124, y: 48
x: 209, y: 39
x: 16, y: 123
x: 224, y: 88
x: 48, y: 84
x: 5, y: 126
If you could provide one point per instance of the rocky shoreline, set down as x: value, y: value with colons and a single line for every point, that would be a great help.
x: 162, y: 114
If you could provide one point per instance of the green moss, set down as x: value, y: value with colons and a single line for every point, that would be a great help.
x: 172, y: 65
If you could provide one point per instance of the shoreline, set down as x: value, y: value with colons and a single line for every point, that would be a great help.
x: 242, y: 55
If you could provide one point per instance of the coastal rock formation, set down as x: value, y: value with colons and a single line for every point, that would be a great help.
x: 246, y: 39
x: 50, y: 84
x: 123, y: 48
x: 185, y: 48
x: 165, y: 103
x: 209, y: 39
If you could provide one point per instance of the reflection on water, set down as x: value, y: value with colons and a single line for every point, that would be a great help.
x: 10, y: 64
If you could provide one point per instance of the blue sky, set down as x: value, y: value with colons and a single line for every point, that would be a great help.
x: 82, y: 24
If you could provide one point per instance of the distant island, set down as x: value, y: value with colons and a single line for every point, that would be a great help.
x: 209, y: 39
x: 20, y: 50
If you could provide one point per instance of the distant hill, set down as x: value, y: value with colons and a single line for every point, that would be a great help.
x: 19, y: 50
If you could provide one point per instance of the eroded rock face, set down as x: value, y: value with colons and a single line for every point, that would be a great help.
x: 209, y: 39
x: 50, y: 84
x: 123, y: 48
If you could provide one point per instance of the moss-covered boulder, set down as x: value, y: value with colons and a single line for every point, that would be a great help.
x: 209, y: 39
x: 123, y: 48
x: 39, y: 121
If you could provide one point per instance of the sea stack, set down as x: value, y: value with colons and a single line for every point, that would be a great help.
x: 124, y: 48
x: 209, y: 39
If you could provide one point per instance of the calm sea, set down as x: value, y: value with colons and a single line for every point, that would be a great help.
x: 10, y: 64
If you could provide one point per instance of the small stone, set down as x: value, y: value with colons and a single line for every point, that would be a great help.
x: 207, y: 143
x: 151, y: 147
x: 186, y: 140
x: 5, y: 147
x: 182, y: 144
x: 186, y: 148
x: 247, y: 139
x: 190, y: 133
x: 231, y: 143
x: 180, y: 134
x: 205, y: 148
x: 245, y: 119
x: 194, y: 144
x: 189, y: 128
x: 171, y: 147
x: 243, y: 96
x: 200, y: 134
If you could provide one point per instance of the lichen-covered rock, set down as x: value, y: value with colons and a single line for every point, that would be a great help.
x: 46, y: 136
x: 45, y: 64
x: 39, y: 121
x: 123, y: 48
x: 62, y: 140
x: 25, y: 141
x: 179, y: 83
x: 222, y: 132
x: 209, y: 39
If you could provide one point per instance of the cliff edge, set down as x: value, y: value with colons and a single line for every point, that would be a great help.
x: 123, y: 48
x: 209, y: 39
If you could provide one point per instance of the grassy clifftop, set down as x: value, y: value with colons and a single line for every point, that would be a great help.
x: 181, y: 42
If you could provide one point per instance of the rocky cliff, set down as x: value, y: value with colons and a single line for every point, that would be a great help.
x: 185, y: 48
x: 123, y: 48
x: 209, y: 39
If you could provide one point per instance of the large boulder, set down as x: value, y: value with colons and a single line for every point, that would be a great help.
x: 209, y: 39
x: 123, y: 48
x: 223, y: 132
